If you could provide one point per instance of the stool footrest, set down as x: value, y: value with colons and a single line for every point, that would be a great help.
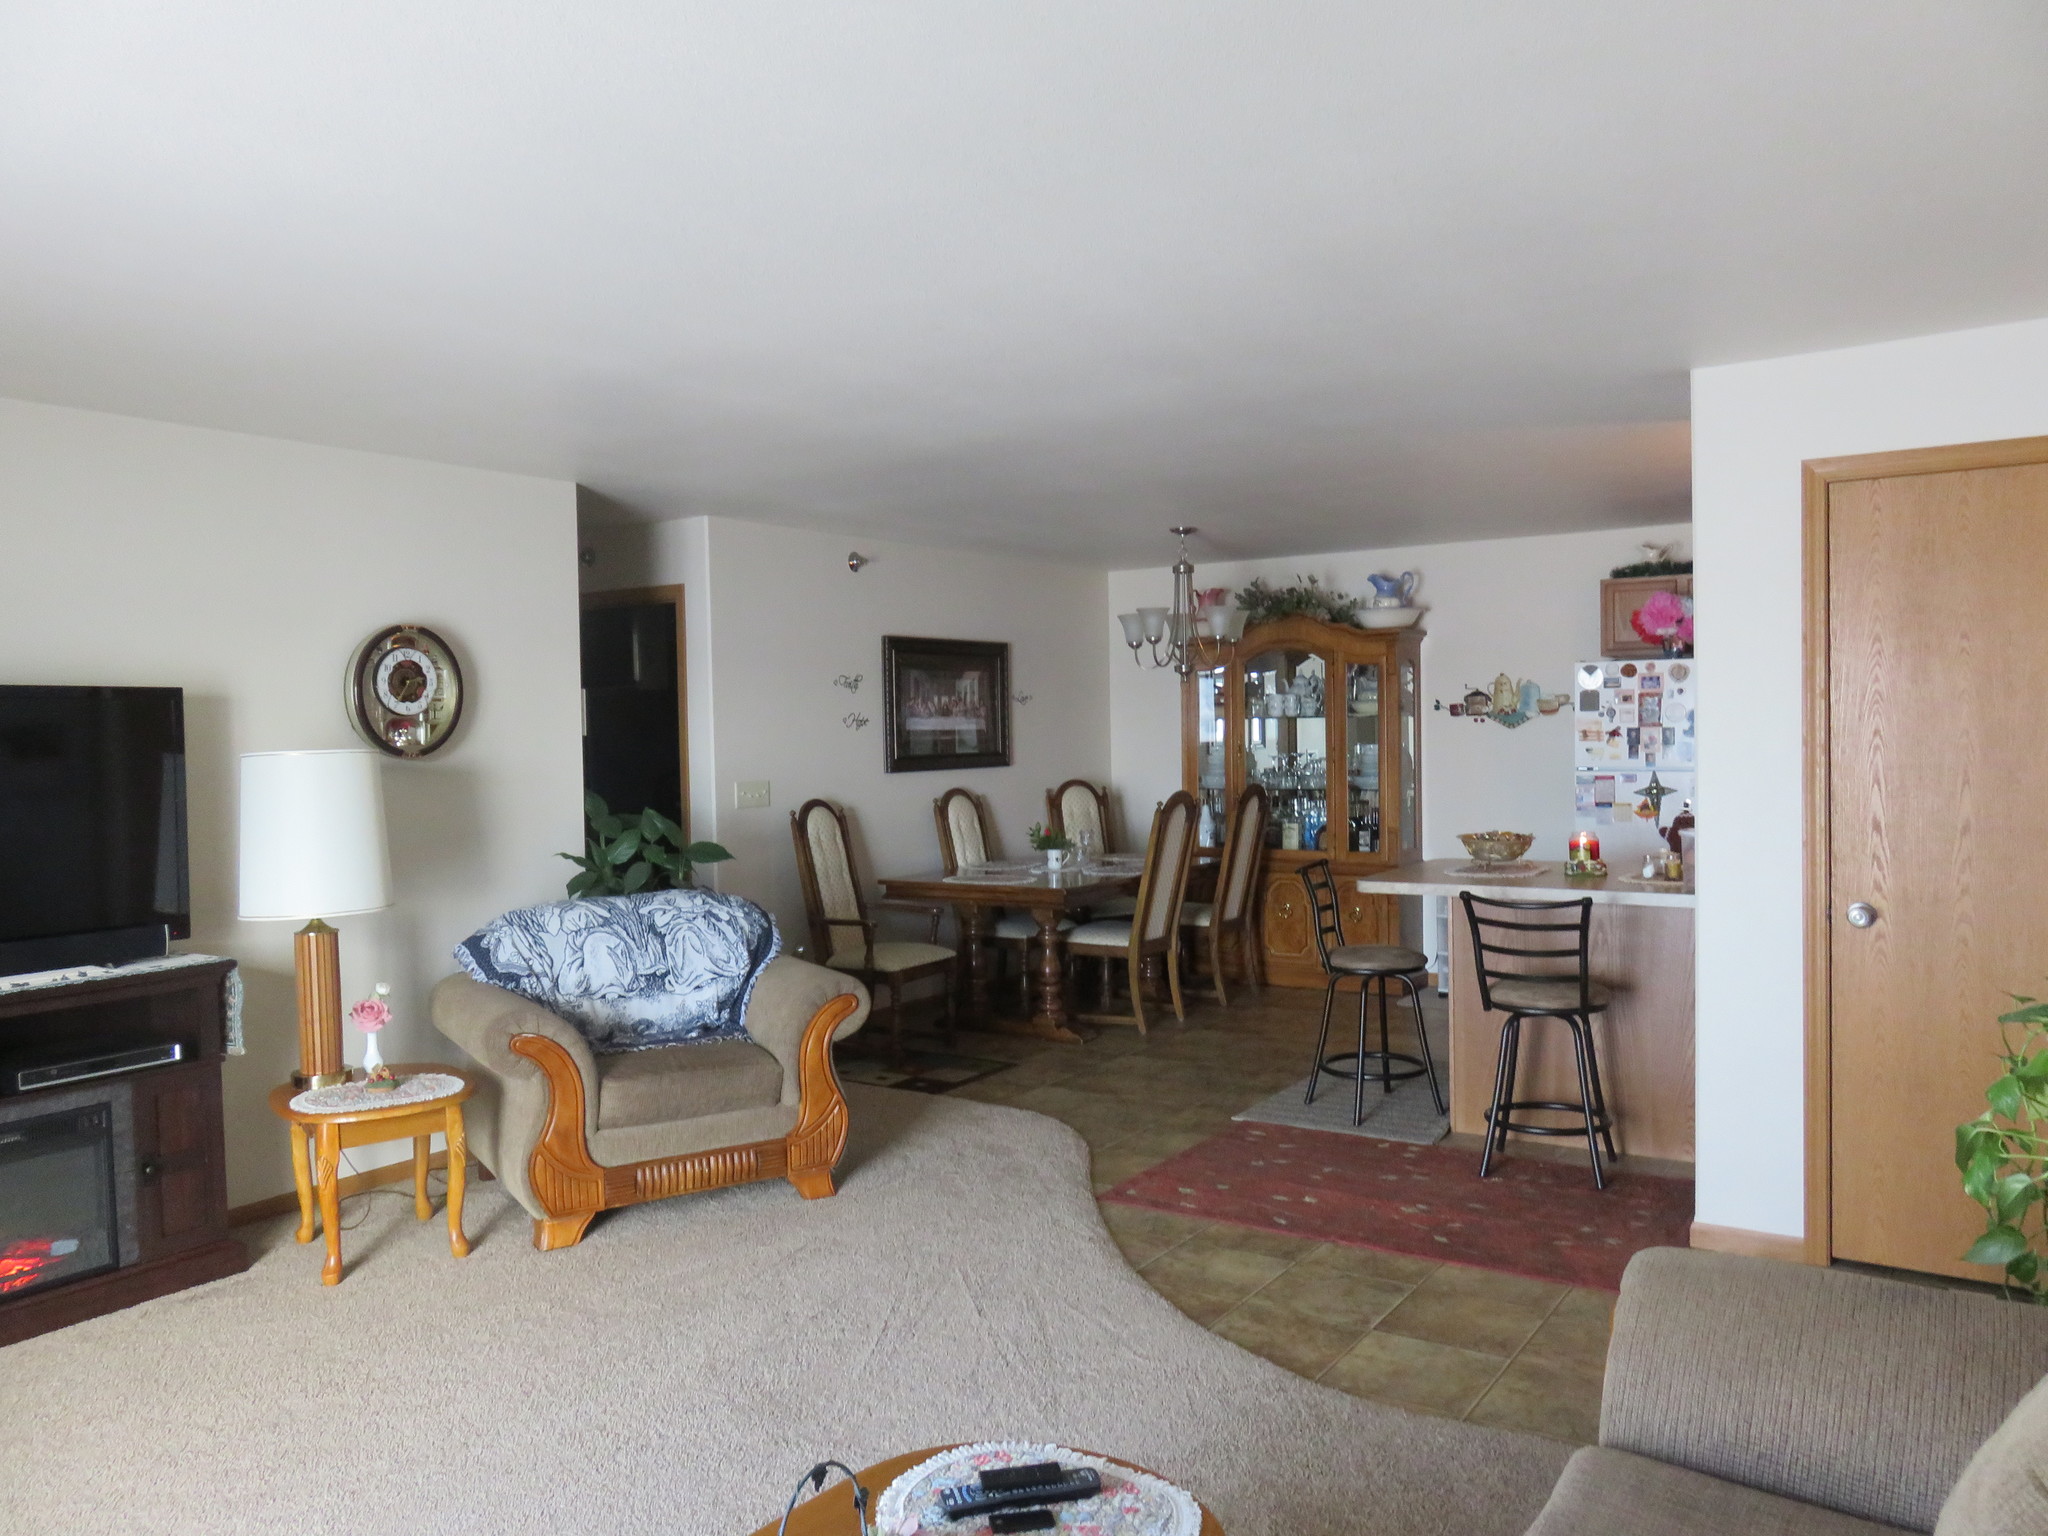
x: 1601, y: 1121
x: 1415, y: 1067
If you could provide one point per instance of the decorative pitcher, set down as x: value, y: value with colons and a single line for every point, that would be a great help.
x: 1393, y: 591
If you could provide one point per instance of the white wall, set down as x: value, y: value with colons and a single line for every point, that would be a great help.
x: 1528, y: 607
x: 1753, y: 426
x: 774, y: 616
x: 245, y: 570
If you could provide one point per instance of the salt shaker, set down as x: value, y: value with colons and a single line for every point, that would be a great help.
x: 1653, y: 867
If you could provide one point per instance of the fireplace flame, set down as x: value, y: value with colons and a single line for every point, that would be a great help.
x: 23, y: 1261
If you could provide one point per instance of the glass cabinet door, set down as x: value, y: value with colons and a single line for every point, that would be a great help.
x: 1362, y: 739
x: 1212, y: 759
x: 1411, y: 760
x: 1286, y: 744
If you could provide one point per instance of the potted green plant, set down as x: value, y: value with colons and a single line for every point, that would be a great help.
x: 1054, y: 845
x: 2003, y: 1155
x: 638, y: 853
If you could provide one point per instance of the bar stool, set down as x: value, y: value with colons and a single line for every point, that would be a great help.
x: 1549, y: 932
x: 1377, y: 966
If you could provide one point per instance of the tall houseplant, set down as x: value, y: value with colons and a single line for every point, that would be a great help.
x: 2003, y: 1155
x: 639, y: 853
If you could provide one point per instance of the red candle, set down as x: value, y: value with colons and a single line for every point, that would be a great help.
x: 1585, y: 848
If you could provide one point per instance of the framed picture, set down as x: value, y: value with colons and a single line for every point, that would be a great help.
x: 946, y: 703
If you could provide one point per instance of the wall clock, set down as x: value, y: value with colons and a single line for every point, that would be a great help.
x: 404, y: 690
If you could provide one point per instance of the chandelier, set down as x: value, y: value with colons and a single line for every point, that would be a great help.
x: 1175, y: 635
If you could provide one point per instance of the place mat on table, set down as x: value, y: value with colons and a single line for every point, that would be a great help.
x: 1638, y: 883
x: 353, y: 1098
x: 1519, y: 870
x: 1132, y: 1503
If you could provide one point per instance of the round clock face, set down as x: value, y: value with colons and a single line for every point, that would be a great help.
x: 404, y: 690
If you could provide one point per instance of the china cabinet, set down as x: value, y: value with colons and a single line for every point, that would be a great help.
x: 1328, y: 719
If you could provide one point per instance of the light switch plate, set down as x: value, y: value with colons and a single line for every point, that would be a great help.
x: 750, y: 794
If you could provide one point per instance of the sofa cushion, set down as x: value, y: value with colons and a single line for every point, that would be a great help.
x: 1612, y: 1493
x: 631, y: 972
x: 685, y: 1082
x: 2004, y: 1490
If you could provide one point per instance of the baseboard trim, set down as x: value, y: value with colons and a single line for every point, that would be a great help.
x: 1755, y: 1245
x: 287, y: 1204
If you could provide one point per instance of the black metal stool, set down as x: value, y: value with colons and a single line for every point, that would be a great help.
x: 1541, y: 931
x: 1376, y: 966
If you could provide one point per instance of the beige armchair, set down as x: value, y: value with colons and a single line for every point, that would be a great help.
x: 571, y: 1133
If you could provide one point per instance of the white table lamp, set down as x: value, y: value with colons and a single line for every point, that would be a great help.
x: 313, y: 847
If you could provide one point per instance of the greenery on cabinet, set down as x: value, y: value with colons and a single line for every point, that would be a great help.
x: 2003, y: 1155
x: 1263, y: 603
x: 1651, y: 568
x: 636, y: 853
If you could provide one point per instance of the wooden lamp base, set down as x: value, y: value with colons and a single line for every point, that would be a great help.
x: 316, y: 957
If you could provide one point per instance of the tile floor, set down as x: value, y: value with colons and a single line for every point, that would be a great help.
x: 1435, y: 1338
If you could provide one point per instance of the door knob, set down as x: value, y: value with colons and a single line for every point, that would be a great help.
x: 1861, y: 914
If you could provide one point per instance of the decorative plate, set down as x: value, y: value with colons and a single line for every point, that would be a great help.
x: 404, y: 690
x: 1132, y: 1503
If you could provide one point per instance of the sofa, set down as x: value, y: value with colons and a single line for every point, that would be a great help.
x: 1772, y: 1399
x: 571, y: 1133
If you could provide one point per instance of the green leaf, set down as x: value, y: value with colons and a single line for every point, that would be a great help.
x: 2015, y: 1192
x: 2024, y: 1268
x: 2000, y: 1246
x: 594, y: 806
x: 2004, y: 1097
x: 1980, y: 1179
x: 1972, y: 1135
x: 637, y: 876
x: 706, y: 853
x: 2033, y: 1073
x: 626, y: 847
x: 2035, y: 1013
x: 609, y: 827
x: 666, y: 828
x: 660, y: 857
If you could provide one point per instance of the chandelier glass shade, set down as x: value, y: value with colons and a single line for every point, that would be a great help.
x: 1173, y: 634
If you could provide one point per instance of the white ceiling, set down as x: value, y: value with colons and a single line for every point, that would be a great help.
x: 1042, y: 275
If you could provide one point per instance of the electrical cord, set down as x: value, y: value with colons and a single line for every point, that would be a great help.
x: 816, y: 1478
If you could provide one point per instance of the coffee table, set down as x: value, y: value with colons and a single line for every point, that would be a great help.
x: 831, y: 1512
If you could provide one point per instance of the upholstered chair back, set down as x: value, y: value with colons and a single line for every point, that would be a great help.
x: 1243, y: 844
x: 1078, y: 806
x: 1167, y: 853
x: 839, y: 908
x: 960, y: 829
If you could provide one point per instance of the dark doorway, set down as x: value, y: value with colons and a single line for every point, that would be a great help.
x: 634, y: 752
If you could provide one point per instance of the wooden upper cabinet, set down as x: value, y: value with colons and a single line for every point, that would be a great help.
x: 1620, y: 597
x: 1327, y: 718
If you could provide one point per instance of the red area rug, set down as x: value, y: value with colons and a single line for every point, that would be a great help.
x: 1542, y: 1220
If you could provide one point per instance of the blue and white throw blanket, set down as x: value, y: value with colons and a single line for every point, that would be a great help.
x: 631, y: 972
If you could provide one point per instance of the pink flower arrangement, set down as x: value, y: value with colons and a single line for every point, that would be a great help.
x: 371, y: 1014
x: 1664, y: 617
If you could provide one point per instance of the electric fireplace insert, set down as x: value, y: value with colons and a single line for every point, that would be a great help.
x: 62, y: 1200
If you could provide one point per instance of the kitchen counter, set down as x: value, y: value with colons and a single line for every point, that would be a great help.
x: 1640, y: 944
x: 1434, y: 878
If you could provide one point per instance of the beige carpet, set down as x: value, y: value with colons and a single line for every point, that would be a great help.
x: 678, y: 1371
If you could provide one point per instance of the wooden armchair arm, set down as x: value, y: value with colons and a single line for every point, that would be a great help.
x: 930, y: 909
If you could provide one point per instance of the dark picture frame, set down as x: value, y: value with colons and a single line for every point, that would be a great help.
x: 945, y: 703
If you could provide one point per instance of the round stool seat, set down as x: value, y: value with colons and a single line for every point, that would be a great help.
x: 1531, y: 995
x: 1377, y: 960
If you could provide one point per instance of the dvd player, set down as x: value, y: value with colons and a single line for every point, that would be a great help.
x: 85, y: 1063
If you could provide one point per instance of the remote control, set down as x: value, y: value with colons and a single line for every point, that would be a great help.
x: 1006, y: 1479
x: 1002, y: 1524
x: 965, y: 1502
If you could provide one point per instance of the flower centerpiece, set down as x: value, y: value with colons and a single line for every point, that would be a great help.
x: 1665, y: 619
x: 370, y: 1016
x: 1054, y: 845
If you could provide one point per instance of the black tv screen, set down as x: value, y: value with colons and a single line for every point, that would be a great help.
x: 92, y: 811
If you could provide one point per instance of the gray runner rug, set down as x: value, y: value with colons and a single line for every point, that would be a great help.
x: 1406, y: 1114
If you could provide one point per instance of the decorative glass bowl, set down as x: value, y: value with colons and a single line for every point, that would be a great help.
x: 1496, y: 847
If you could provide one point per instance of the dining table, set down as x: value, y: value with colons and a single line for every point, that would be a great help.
x: 978, y: 891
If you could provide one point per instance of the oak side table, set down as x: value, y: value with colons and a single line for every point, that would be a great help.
x: 330, y: 1133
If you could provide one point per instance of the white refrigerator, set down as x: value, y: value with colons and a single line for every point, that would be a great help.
x: 1634, y: 750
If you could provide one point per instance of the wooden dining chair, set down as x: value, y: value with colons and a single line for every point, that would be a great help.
x: 1234, y: 911
x: 843, y: 936
x: 1153, y: 929
x: 1078, y: 806
x: 964, y: 839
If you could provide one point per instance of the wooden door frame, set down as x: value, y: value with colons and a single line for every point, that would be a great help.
x: 633, y: 597
x: 1819, y: 477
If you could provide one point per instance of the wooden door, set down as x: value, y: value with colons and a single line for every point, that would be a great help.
x: 181, y: 1188
x: 1936, y: 753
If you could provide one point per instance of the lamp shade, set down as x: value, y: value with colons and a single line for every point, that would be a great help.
x: 312, y: 830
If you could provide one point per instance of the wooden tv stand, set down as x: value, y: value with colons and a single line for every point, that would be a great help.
x: 181, y: 1206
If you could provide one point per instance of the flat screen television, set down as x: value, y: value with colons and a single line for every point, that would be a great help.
x: 92, y: 826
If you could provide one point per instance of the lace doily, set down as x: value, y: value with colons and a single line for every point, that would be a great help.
x: 352, y: 1098
x: 1520, y: 869
x: 1131, y: 1503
